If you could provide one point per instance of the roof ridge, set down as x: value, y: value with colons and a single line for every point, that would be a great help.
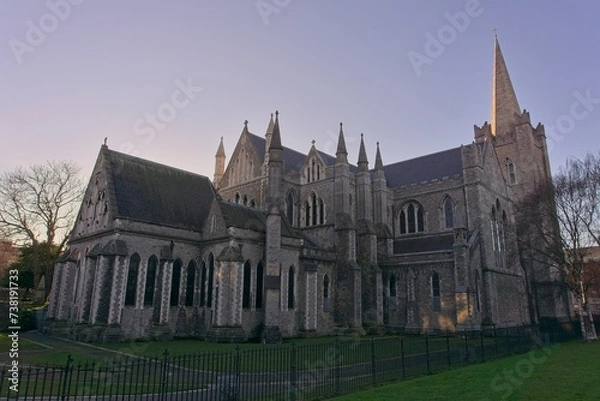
x: 151, y: 162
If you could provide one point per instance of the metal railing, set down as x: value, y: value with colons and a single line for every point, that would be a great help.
x: 275, y: 372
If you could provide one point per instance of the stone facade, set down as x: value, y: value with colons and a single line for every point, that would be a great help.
x: 285, y: 244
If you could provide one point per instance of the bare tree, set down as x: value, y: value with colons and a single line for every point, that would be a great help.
x: 38, y: 204
x: 557, y: 225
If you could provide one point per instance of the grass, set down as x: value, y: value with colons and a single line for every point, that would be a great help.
x: 24, y: 345
x: 567, y: 371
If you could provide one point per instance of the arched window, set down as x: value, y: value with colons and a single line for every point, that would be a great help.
x: 411, y: 218
x: 259, y: 285
x: 510, y: 171
x: 314, y: 176
x: 449, y: 213
x: 392, y: 286
x: 290, y: 208
x: 314, y: 209
x: 308, y: 174
x: 402, y: 222
x: 321, y: 211
x: 150, y: 281
x: 190, y: 283
x: 412, y: 226
x: 175, y: 282
x: 246, y: 286
x: 211, y: 277
x: 290, y: 298
x: 245, y: 200
x: 252, y: 203
x: 307, y: 214
x: 435, y: 293
x: 318, y: 172
x: 203, y: 285
x: 237, y: 197
x: 132, y: 279
x: 326, y: 304
x: 497, y: 229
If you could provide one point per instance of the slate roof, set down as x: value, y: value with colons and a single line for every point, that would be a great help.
x: 425, y: 168
x: 250, y: 218
x: 151, y: 192
x: 442, y: 242
x: 292, y: 159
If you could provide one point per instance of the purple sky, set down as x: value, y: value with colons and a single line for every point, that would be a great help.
x: 102, y: 68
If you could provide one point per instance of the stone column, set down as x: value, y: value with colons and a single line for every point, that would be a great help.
x: 55, y: 292
x: 462, y: 296
x: 311, y: 296
x: 89, y: 277
x: 103, y: 288
x: 119, y: 285
x: 227, y: 316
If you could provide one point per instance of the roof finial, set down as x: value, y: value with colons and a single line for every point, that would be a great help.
x: 341, y: 151
x: 363, y: 162
x: 313, y: 142
x: 495, y: 32
x: 105, y: 140
x: 246, y: 123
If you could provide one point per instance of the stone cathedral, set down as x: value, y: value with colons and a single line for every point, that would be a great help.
x: 283, y: 243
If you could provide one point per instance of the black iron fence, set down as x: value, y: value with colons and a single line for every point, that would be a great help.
x: 275, y: 372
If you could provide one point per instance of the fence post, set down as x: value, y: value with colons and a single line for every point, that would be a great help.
x: 373, y: 361
x: 337, y: 361
x: 448, y: 348
x: 402, y: 355
x: 163, y: 375
x: 482, y: 345
x: 293, y: 374
x: 427, y: 353
x: 68, y: 367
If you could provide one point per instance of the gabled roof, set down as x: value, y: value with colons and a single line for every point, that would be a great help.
x: 292, y: 159
x: 425, y: 168
x: 154, y: 193
x: 252, y: 219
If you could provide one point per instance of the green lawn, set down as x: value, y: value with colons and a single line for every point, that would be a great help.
x: 568, y: 371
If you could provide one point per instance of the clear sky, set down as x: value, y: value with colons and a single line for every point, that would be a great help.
x: 164, y: 80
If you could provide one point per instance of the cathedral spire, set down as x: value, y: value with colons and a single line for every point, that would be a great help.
x: 341, y: 152
x: 363, y: 162
x: 505, y: 106
x: 276, y: 136
x: 378, y: 161
x: 219, y: 164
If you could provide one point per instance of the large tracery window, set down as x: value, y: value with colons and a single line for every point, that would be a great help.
x: 411, y: 219
x: 150, y: 281
x: 175, y: 281
x: 314, y: 211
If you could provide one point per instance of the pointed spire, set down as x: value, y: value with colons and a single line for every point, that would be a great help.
x: 271, y: 125
x: 341, y: 145
x: 504, y: 100
x: 363, y: 162
x: 276, y: 138
x: 221, y: 149
x: 378, y: 161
